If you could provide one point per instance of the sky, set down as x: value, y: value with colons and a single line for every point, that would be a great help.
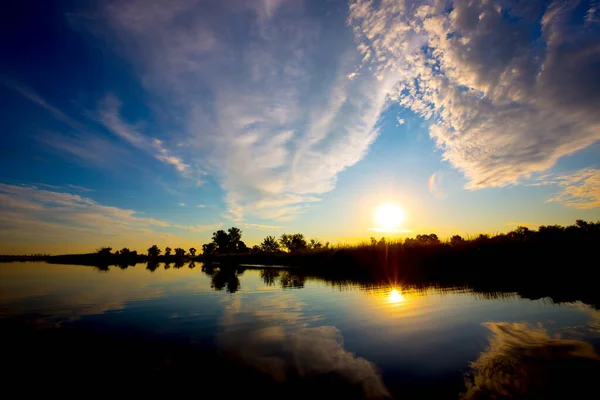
x: 137, y: 122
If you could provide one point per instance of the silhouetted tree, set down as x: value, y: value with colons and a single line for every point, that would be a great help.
x: 192, y: 265
x: 315, y: 244
x: 270, y: 244
x: 456, y: 240
x: 241, y: 247
x: 551, y: 232
x: 193, y: 252
x: 522, y: 233
x: 431, y: 239
x: 221, y: 239
x: 481, y: 239
x: 209, y: 249
x: 179, y: 252
x: 167, y: 251
x: 153, y: 251
x: 373, y: 241
x: 255, y: 249
x: 104, y: 251
x: 227, y: 242
x: 235, y: 236
x: 293, y: 242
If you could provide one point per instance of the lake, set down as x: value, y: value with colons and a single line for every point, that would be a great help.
x: 273, y: 332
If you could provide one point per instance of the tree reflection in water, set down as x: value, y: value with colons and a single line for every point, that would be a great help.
x: 269, y: 276
x: 224, y: 277
x: 291, y: 280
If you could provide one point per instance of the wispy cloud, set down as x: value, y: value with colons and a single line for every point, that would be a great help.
x: 261, y: 226
x: 35, y: 214
x: 80, y: 188
x: 578, y: 190
x: 181, y: 204
x: 31, y: 95
x: 111, y: 118
x: 272, y: 130
x: 502, y: 105
x: 200, y: 206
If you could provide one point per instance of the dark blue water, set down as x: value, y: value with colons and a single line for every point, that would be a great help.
x: 280, y: 327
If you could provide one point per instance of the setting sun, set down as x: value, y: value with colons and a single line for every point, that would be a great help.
x: 389, y: 217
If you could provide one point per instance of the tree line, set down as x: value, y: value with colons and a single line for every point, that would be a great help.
x: 230, y: 241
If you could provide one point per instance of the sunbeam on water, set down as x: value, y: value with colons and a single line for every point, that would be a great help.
x: 396, y: 297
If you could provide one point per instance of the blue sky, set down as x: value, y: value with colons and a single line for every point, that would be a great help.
x: 128, y: 123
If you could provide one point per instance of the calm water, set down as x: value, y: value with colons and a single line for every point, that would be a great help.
x: 266, y: 328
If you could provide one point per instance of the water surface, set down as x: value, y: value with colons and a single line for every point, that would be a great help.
x: 273, y: 330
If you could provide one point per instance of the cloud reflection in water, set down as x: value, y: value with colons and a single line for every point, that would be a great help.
x: 273, y: 335
x: 524, y: 362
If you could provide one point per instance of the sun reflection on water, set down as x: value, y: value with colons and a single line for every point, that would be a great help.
x: 396, y: 297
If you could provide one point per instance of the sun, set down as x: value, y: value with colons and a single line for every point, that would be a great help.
x: 389, y: 217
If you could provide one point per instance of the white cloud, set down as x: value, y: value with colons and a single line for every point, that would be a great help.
x: 578, y: 190
x: 80, y: 188
x: 503, y: 103
x: 111, y: 118
x: 181, y: 204
x: 256, y: 106
x: 201, y: 206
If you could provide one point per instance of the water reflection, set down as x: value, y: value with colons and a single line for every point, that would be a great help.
x: 269, y: 276
x: 396, y: 297
x: 279, y: 340
x: 525, y: 362
x: 326, y: 338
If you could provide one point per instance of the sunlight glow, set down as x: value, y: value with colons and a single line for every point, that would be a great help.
x: 389, y: 217
x: 396, y: 297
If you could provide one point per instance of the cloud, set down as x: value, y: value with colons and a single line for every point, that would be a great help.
x: 510, y: 87
x: 280, y: 343
x: 90, y: 147
x: 433, y: 184
x: 200, y: 206
x: 32, y: 214
x: 578, y: 190
x: 31, y: 95
x: 181, y: 204
x: 268, y: 108
x: 261, y: 226
x: 109, y: 115
x: 525, y: 362
x: 200, y: 228
x: 80, y: 188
